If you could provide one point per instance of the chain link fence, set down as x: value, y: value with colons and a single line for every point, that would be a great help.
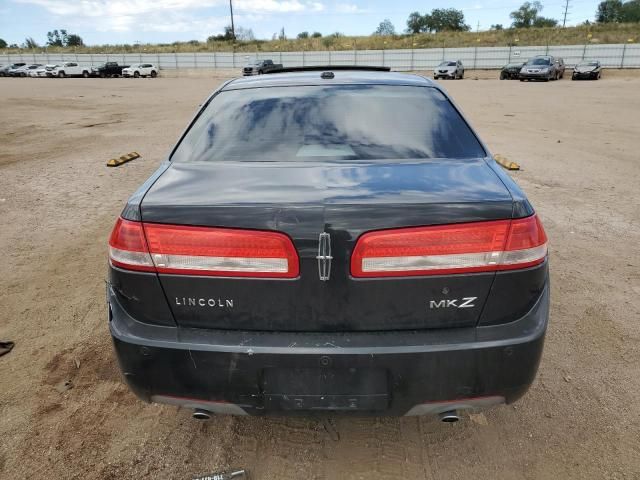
x: 625, y: 55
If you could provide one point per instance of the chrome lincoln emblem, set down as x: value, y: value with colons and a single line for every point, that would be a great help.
x: 324, y: 256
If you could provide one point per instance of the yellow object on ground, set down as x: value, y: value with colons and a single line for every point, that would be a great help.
x: 508, y: 164
x: 116, y: 162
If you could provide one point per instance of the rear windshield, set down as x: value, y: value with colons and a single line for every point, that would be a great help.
x: 539, y: 61
x: 350, y: 122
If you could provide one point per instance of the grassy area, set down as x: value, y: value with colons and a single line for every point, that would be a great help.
x: 603, y: 33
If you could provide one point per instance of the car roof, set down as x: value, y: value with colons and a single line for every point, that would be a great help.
x: 341, y: 77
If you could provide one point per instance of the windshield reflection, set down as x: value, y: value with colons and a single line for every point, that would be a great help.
x: 343, y: 122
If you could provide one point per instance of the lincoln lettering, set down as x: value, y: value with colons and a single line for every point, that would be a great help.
x: 204, y: 302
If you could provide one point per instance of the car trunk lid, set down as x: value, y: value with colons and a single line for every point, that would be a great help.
x: 344, y: 200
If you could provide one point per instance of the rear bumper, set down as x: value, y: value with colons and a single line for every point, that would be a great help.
x: 584, y: 75
x: 396, y: 373
x: 535, y: 76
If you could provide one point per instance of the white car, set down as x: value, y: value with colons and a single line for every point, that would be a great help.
x: 41, y: 71
x: 69, y: 69
x: 48, y: 69
x: 17, y: 71
x: 32, y: 70
x: 141, y: 70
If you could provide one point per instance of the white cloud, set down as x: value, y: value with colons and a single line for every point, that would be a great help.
x: 348, y: 8
x: 164, y: 15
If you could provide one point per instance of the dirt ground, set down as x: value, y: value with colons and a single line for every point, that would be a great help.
x: 65, y: 412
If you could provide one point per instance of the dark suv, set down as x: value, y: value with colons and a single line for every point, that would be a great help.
x: 293, y: 256
x: 543, y: 67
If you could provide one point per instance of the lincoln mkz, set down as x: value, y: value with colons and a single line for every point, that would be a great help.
x: 336, y: 240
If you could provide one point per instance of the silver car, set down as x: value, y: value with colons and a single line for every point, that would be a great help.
x: 449, y: 69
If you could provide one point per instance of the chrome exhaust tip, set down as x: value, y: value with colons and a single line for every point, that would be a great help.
x: 449, y: 417
x: 200, y: 414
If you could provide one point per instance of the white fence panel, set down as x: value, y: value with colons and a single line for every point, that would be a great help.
x: 611, y: 55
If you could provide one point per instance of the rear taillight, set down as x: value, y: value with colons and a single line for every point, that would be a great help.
x: 128, y: 247
x: 186, y: 250
x: 447, y: 249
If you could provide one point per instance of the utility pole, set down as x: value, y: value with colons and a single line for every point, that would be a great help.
x: 233, y: 29
x: 566, y: 10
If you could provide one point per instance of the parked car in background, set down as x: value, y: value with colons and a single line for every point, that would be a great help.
x: 18, y: 71
x: 140, y: 70
x: 108, y: 69
x: 258, y: 67
x: 542, y: 67
x: 48, y: 69
x: 329, y: 241
x: 511, y: 71
x: 69, y: 69
x: 449, y: 69
x: 30, y: 70
x: 41, y: 71
x: 34, y: 73
x: 591, y: 70
x: 4, y: 72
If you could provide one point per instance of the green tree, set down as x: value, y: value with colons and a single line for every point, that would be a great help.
x: 245, y: 34
x: 630, y: 11
x: 74, y: 40
x: 29, y: 42
x: 385, y: 28
x: 614, y: 11
x: 60, y: 38
x: 541, y: 22
x: 227, y: 35
x: 54, y: 39
x: 316, y: 35
x: 443, y: 19
x: 415, y: 23
x: 527, y: 16
x: 497, y: 26
x: 3, y: 43
x: 609, y: 11
x: 303, y: 35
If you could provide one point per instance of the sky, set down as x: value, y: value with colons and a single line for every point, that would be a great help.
x: 166, y: 21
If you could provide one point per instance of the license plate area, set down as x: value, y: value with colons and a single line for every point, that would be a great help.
x: 325, y: 389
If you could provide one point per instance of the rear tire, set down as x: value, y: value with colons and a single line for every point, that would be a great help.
x: 136, y: 74
x: 85, y: 74
x: 503, y: 76
x: 102, y: 75
x: 61, y: 75
x: 153, y: 74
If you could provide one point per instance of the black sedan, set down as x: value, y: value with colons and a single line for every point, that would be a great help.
x: 587, y: 70
x: 511, y: 71
x: 329, y: 241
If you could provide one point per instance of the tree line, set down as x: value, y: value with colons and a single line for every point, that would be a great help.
x: 438, y: 20
x: 526, y: 16
x: 55, y: 38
